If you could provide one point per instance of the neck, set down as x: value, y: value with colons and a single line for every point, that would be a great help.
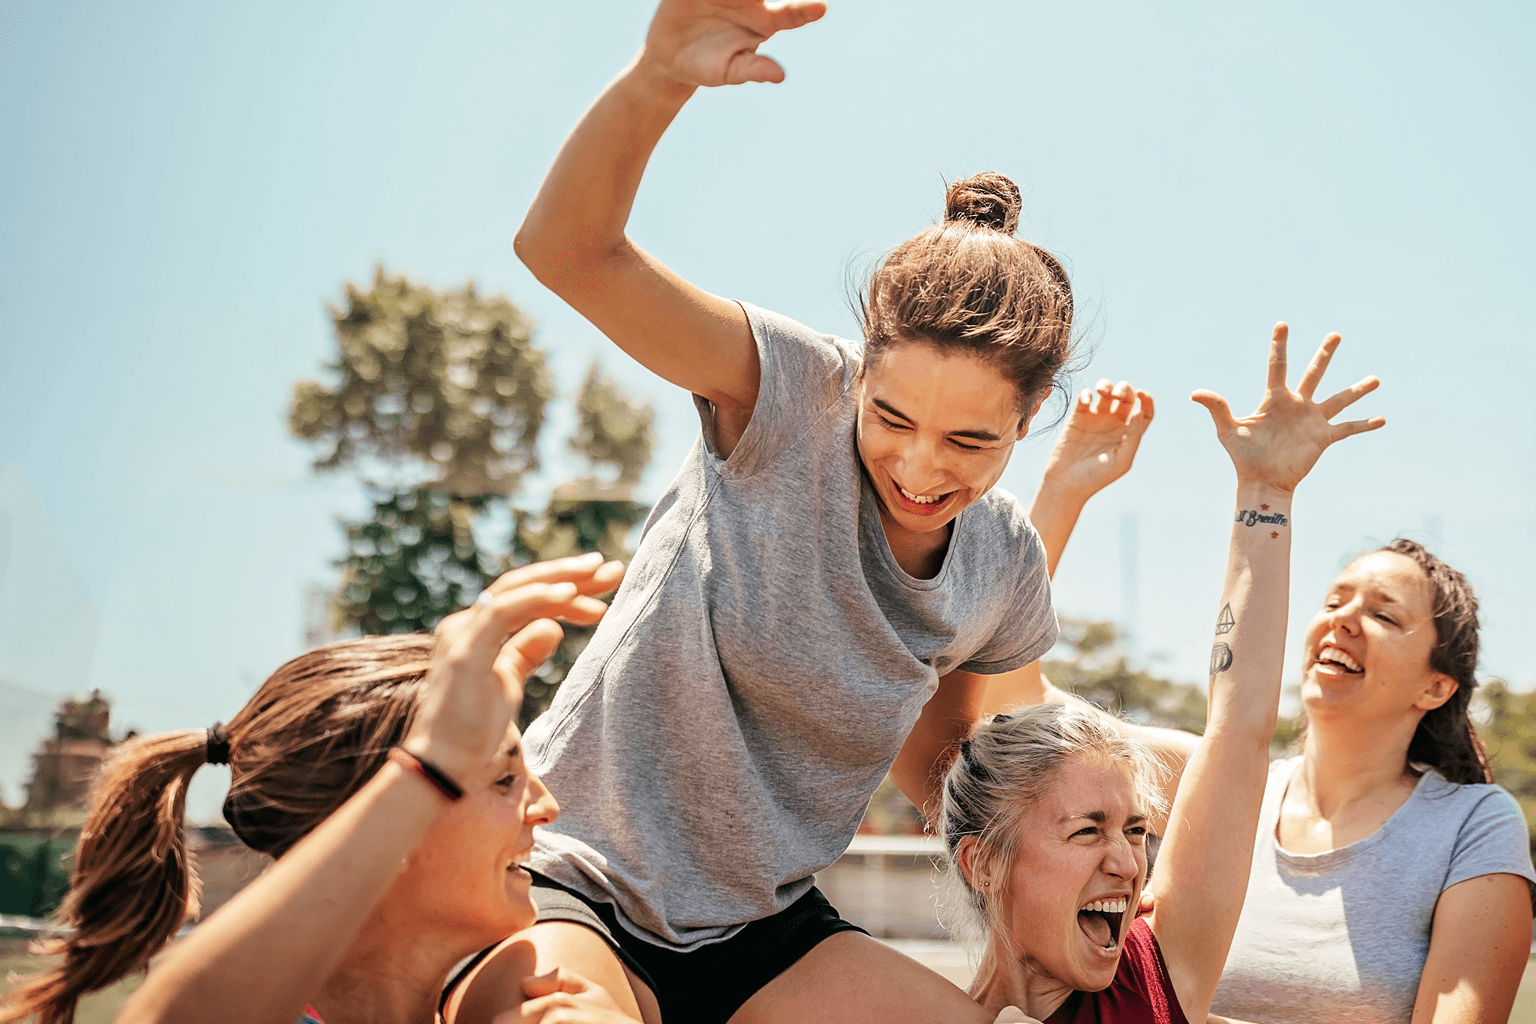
x: 1345, y: 764
x: 920, y: 555
x: 390, y: 975
x: 1002, y: 981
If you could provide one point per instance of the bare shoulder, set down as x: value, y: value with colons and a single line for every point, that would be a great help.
x: 494, y: 985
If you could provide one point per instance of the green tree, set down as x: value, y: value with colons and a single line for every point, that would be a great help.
x: 1098, y: 671
x: 1506, y: 720
x: 436, y: 401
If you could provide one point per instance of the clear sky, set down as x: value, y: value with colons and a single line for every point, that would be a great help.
x: 185, y: 186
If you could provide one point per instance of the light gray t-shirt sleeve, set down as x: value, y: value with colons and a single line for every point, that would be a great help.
x: 1492, y: 841
x: 801, y: 375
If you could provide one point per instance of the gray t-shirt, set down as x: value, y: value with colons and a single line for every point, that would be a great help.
x: 717, y: 741
x: 1341, y: 937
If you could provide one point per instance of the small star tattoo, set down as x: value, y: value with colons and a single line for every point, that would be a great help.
x: 1264, y: 507
x: 1273, y: 534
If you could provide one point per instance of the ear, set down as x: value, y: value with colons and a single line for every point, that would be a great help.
x: 966, y: 859
x: 1034, y: 407
x: 1440, y: 689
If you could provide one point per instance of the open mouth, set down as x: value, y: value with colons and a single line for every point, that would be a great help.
x: 1338, y: 660
x: 919, y: 504
x: 1100, y: 921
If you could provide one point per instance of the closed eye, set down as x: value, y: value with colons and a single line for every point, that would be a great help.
x: 506, y: 782
x: 965, y: 447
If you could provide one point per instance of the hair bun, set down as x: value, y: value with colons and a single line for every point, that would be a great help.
x: 990, y: 200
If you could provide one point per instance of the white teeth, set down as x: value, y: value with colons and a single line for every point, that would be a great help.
x: 1338, y: 657
x: 1108, y: 906
x: 913, y: 497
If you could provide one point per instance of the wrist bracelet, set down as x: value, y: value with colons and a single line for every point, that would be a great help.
x: 426, y: 769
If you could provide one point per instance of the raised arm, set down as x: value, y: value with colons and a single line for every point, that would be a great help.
x: 297, y: 920
x: 1097, y: 446
x: 573, y: 236
x: 1208, y: 847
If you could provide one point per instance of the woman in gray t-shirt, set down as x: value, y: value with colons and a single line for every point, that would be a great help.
x: 832, y: 575
x: 1391, y: 880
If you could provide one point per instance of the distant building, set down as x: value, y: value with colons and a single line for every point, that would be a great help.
x: 66, y: 765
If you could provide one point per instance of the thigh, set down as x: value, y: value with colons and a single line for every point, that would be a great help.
x: 852, y: 978
x: 540, y: 949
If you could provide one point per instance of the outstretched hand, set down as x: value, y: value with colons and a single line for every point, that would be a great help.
x: 1280, y: 443
x: 1099, y: 441
x: 475, y: 684
x: 714, y: 42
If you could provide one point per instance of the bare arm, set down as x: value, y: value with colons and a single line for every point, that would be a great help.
x: 1097, y: 446
x: 1478, y: 946
x: 299, y: 918
x: 573, y: 237
x: 1208, y: 847
x: 930, y: 746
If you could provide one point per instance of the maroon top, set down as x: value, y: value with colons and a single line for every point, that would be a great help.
x: 1142, y: 992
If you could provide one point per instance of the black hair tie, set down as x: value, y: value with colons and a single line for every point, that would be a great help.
x: 216, y: 748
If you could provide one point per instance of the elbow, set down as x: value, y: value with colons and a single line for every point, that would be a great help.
x: 560, y: 262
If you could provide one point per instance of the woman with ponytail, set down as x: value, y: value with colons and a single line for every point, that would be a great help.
x: 1391, y: 880
x: 385, y: 775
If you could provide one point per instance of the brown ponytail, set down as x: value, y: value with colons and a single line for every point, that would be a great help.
x: 314, y: 733
x: 970, y: 285
x: 131, y: 886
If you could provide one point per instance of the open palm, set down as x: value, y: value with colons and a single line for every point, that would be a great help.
x: 1283, y: 439
x: 714, y: 42
x: 1099, y: 442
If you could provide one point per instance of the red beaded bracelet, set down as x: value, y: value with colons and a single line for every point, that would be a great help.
x: 426, y: 769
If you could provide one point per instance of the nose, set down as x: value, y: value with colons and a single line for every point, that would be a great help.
x: 542, y: 807
x: 923, y: 464
x: 1346, y: 617
x: 1120, y: 861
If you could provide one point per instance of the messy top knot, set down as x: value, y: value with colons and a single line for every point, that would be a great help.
x: 971, y: 285
x: 990, y: 200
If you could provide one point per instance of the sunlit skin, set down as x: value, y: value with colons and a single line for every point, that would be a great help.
x: 462, y: 889
x: 467, y: 870
x: 1083, y: 841
x: 939, y: 425
x: 1380, y: 613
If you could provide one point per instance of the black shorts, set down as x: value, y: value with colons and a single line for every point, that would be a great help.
x: 708, y: 984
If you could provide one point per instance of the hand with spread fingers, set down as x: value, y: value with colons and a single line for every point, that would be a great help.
x: 714, y: 42
x: 1282, y: 440
x: 1099, y: 441
x: 564, y: 997
x: 485, y: 653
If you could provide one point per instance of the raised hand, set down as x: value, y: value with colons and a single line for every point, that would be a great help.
x: 1281, y: 442
x: 714, y: 42
x: 564, y: 997
x: 475, y: 684
x: 1099, y: 442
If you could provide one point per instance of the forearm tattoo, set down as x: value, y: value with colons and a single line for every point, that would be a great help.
x: 1261, y: 515
x: 1221, y: 659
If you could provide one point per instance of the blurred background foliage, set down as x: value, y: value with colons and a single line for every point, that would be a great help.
x: 436, y: 401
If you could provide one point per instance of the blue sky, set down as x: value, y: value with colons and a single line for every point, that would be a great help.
x: 185, y: 186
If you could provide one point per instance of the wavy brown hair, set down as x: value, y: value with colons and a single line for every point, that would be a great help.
x: 1445, y: 739
x: 970, y: 285
x: 314, y: 733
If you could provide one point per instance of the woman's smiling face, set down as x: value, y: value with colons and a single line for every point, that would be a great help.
x: 467, y: 874
x: 1367, y: 650
x: 935, y: 432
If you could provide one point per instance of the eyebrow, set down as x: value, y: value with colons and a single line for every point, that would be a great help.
x: 1099, y: 817
x: 979, y: 435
